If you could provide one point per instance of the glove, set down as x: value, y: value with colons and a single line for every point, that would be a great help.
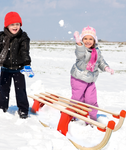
x: 77, y: 36
x: 28, y: 71
x: 109, y: 70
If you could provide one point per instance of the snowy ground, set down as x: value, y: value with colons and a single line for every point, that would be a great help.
x: 51, y: 63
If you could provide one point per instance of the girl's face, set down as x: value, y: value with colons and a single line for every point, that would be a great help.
x: 14, y: 28
x: 88, y: 41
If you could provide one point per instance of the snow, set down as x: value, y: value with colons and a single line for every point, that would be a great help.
x: 51, y: 63
x: 61, y: 23
x: 69, y: 32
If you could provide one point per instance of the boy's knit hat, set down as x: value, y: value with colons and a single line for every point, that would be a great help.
x: 89, y: 31
x: 12, y: 17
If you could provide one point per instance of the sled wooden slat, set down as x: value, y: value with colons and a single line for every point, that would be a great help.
x: 62, y: 104
x: 90, y: 106
x: 100, y: 125
x: 79, y: 106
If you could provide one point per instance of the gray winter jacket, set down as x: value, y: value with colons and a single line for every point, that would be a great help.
x: 83, y: 56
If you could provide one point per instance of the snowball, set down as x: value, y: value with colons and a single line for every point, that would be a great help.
x: 37, y: 87
x: 69, y: 32
x: 61, y: 23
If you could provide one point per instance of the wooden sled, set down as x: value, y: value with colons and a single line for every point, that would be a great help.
x: 74, y: 111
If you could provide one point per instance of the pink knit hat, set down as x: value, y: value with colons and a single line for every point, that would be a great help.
x: 89, y: 31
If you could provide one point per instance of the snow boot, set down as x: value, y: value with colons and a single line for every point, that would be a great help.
x: 22, y: 114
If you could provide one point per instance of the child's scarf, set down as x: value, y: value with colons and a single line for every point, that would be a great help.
x: 92, y: 62
x: 8, y: 37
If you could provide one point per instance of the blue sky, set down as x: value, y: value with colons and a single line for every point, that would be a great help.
x: 41, y: 18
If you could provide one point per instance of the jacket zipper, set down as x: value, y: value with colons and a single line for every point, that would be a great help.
x: 10, y: 56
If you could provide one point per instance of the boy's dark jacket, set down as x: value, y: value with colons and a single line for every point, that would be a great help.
x: 17, y: 47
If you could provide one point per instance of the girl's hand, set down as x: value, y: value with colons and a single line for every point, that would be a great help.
x: 109, y: 70
x: 77, y: 37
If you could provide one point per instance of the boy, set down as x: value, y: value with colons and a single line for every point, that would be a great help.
x: 14, y: 56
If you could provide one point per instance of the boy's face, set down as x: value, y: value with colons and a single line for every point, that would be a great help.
x: 14, y: 28
x: 88, y: 41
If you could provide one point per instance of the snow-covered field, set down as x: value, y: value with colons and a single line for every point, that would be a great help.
x: 51, y: 63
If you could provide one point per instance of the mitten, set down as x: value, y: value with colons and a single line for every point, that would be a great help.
x: 77, y: 36
x: 109, y: 70
x: 28, y: 71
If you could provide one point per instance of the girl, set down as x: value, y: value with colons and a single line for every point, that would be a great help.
x: 84, y: 72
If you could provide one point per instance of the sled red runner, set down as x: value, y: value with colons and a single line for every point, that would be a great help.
x: 79, y: 110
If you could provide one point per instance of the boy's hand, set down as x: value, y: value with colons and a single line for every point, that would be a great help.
x: 28, y: 71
